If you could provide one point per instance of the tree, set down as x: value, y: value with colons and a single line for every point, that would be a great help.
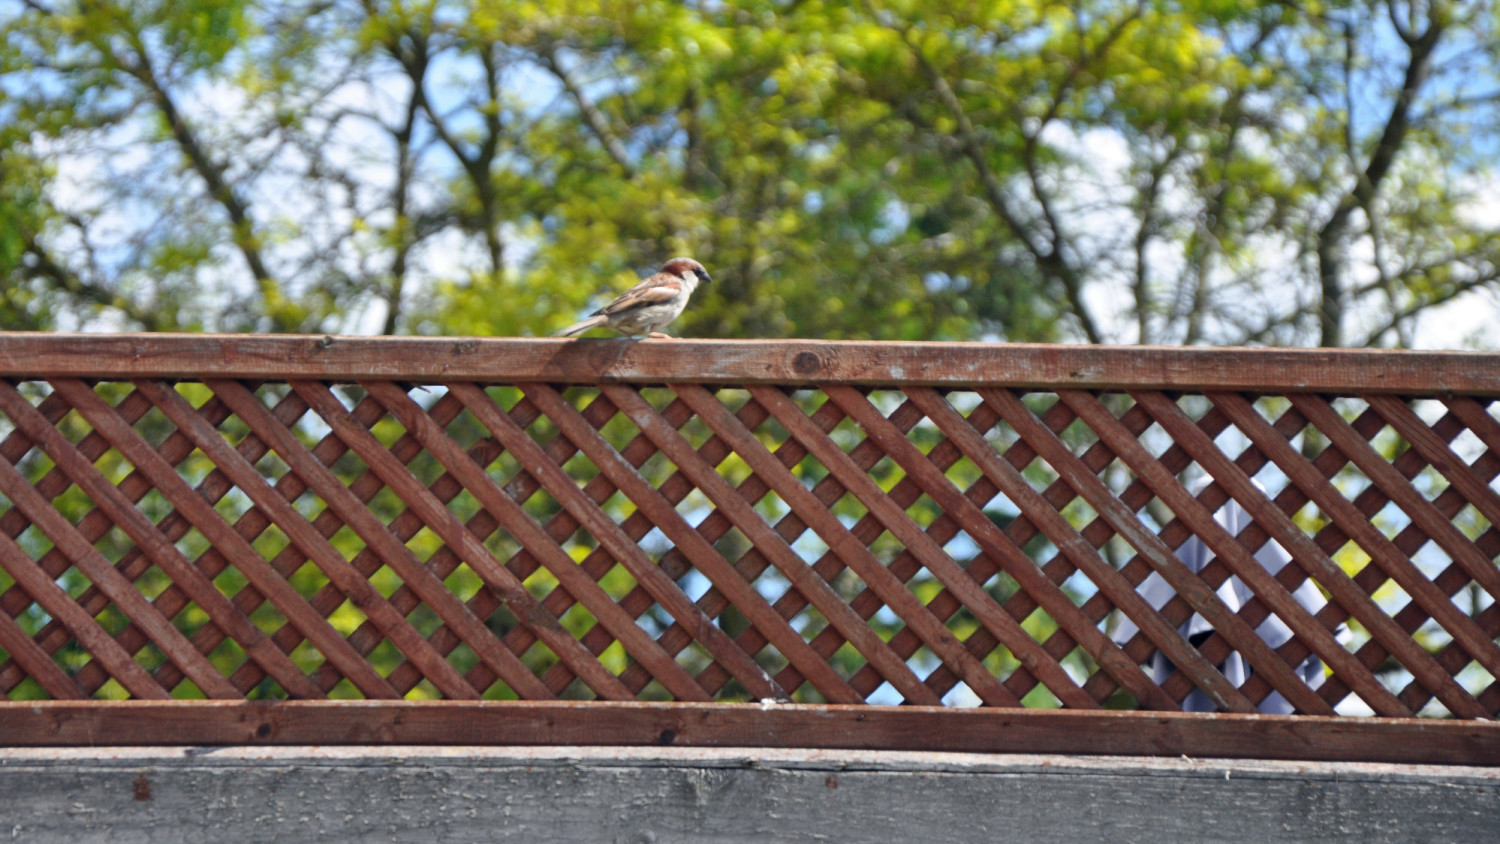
x: 1140, y: 172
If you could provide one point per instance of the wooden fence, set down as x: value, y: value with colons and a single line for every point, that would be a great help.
x: 209, y: 539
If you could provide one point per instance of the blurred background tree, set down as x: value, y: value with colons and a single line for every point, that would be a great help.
x: 1154, y: 172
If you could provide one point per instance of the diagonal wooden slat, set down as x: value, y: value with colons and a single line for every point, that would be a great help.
x: 1304, y: 552
x: 961, y: 584
x: 32, y: 659
x: 775, y: 549
x: 84, y: 628
x: 977, y: 525
x: 1122, y: 518
x: 712, y: 603
x: 1396, y: 564
x: 532, y: 536
x: 195, y: 583
x: 123, y: 513
x: 561, y: 526
x: 214, y: 487
x: 770, y: 544
x: 858, y: 558
x: 1371, y: 540
x: 729, y: 581
x: 254, y: 522
x: 93, y: 525
x: 587, y: 474
x: 1329, y: 539
x: 1136, y: 569
x: 314, y: 626
x: 1187, y: 584
x: 397, y: 556
x: 1475, y: 490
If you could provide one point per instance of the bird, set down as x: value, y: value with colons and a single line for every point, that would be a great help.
x: 650, y: 305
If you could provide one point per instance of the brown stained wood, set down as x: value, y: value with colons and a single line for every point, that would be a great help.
x: 653, y: 582
x: 981, y: 643
x: 86, y: 558
x: 858, y: 558
x: 312, y: 544
x: 1136, y: 495
x: 1371, y: 540
x: 305, y: 619
x: 771, y: 545
x: 917, y: 728
x: 790, y: 527
x: 598, y: 562
x: 651, y: 503
x: 985, y: 534
x: 534, y: 538
x: 864, y: 586
x: 1462, y: 478
x: 93, y: 525
x: 176, y: 448
x: 455, y: 614
x: 1021, y: 531
x: 433, y: 592
x: 194, y: 582
x: 1281, y: 528
x: 1253, y: 537
x: 58, y: 604
x: 1148, y: 545
x: 893, y: 516
x: 1331, y: 538
x: 802, y: 362
x: 36, y: 662
x: 732, y: 582
x: 255, y: 521
x: 444, y: 560
x: 751, y: 564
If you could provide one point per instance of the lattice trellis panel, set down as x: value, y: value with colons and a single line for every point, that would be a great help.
x: 381, y: 539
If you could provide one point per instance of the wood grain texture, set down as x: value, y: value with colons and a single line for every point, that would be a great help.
x: 748, y: 361
x: 536, y: 723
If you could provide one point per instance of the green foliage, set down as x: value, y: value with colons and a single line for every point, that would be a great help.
x: 1025, y: 170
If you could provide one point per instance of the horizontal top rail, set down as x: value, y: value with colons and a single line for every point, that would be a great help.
x: 786, y: 362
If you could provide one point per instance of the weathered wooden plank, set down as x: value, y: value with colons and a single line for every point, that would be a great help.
x: 748, y: 361
x: 536, y: 723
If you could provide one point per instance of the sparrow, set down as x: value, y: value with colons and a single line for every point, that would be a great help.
x: 649, y: 305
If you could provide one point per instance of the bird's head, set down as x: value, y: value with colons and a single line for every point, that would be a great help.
x: 685, y: 266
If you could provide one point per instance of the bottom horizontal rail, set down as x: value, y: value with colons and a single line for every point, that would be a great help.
x: 502, y: 723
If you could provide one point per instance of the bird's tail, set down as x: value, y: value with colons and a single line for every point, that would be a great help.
x: 580, y: 327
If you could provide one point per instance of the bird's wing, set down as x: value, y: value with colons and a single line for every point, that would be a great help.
x: 656, y: 290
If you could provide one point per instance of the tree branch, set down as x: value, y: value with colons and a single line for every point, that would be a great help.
x: 44, y: 265
x: 596, y: 119
x: 1048, y: 256
x: 286, y: 315
x: 1331, y: 247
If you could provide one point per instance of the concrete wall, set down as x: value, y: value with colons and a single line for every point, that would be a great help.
x: 666, y: 795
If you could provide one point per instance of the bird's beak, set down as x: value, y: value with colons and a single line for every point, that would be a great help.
x: 702, y: 275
